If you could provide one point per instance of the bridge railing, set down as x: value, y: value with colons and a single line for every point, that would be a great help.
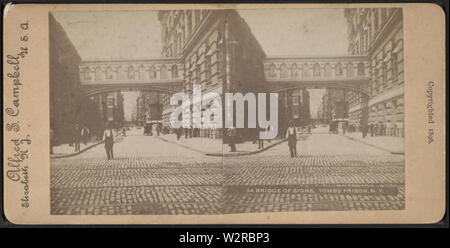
x: 131, y: 71
x: 337, y: 68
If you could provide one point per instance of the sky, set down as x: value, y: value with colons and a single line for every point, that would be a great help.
x: 137, y: 34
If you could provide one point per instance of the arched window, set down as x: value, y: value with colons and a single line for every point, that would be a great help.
x: 294, y: 71
x: 141, y: 72
x: 384, y: 74
x: 120, y: 73
x: 338, y: 69
x: 394, y: 64
x: 272, y: 71
x: 87, y: 73
x: 109, y: 73
x: 98, y: 75
x: 376, y: 80
x: 349, y: 69
x: 361, y: 69
x: 305, y: 71
x: 152, y: 71
x: 163, y: 72
x: 208, y: 68
x: 327, y: 70
x: 316, y: 70
x: 284, y: 72
x: 174, y: 71
x: 130, y: 72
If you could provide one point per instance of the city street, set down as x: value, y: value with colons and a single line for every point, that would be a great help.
x: 150, y: 176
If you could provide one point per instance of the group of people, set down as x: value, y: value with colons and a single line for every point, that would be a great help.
x: 375, y: 129
x: 291, y: 135
x: 80, y: 135
x: 187, y: 132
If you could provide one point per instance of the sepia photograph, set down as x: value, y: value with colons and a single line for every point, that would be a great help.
x: 226, y: 111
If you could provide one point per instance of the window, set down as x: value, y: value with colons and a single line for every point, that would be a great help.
x: 174, y: 71
x: 197, y: 74
x: 384, y: 74
x: 350, y: 69
x: 141, y: 73
x: 86, y: 73
x: 152, y: 72
x: 361, y: 69
x: 130, y: 72
x: 375, y: 19
x: 305, y: 71
x: 284, y: 73
x: 189, y: 22
x: 208, y: 68
x: 394, y: 62
x: 197, y: 17
x: 98, y: 75
x: 120, y: 73
x: 327, y: 70
x: 383, y: 14
x: 109, y: 73
x: 376, y: 76
x: 272, y: 70
x: 163, y: 72
x: 316, y: 70
x: 294, y: 71
x: 338, y: 69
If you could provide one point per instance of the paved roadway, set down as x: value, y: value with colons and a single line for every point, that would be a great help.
x: 149, y: 176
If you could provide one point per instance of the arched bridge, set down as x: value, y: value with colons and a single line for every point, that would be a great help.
x: 102, y: 76
x: 346, y: 72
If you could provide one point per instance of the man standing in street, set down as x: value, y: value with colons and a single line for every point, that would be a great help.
x: 85, y: 134
x: 77, y: 137
x: 291, y: 134
x: 108, y: 137
x: 232, y: 133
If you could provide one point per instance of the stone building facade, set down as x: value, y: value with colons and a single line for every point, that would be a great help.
x: 64, y: 83
x: 378, y: 34
x: 218, y: 52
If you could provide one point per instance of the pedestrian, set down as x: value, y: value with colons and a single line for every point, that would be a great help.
x: 232, y: 133
x: 77, y: 137
x: 260, y: 140
x: 85, y: 135
x: 269, y: 128
x: 291, y: 135
x: 124, y: 132
x: 376, y: 129
x: 309, y: 129
x: 364, y: 131
x: 108, y: 137
x: 178, y: 132
x: 186, y: 133
x: 371, y: 129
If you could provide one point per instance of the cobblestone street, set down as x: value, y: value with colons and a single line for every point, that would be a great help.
x: 150, y: 176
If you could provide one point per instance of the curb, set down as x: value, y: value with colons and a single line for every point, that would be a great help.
x: 223, y: 154
x: 76, y: 153
x: 185, y: 146
x: 245, y: 153
x: 374, y: 146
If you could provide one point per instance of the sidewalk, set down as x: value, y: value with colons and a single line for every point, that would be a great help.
x: 215, y: 147
x: 394, y: 145
x: 64, y: 150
